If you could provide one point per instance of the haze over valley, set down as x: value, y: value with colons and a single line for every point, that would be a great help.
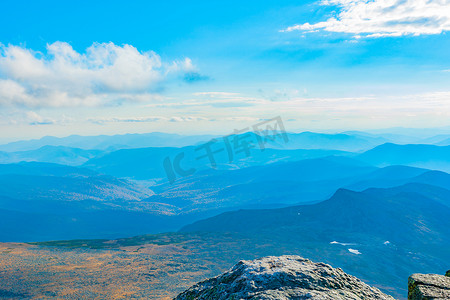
x: 222, y: 150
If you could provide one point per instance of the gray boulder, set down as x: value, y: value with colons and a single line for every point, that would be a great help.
x: 283, y: 277
x: 428, y: 287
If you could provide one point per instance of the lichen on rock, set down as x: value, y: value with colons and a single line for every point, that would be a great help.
x: 283, y: 277
x: 428, y: 287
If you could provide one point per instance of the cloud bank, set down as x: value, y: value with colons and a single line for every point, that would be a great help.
x: 104, y: 74
x: 382, y: 18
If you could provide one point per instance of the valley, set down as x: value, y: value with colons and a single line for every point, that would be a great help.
x: 115, y: 226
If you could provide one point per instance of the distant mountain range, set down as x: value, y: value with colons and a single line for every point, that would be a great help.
x: 352, y: 141
x: 445, y: 142
x: 147, y: 163
x: 89, y: 186
x: 372, y: 213
x: 340, y: 141
x: 287, y: 183
x: 51, y: 154
x: 109, y: 142
x: 141, y: 156
x: 40, y: 184
x: 424, y: 156
x: 46, y: 201
x: 45, y: 191
x: 379, y: 235
x: 439, y: 140
x: 355, y: 200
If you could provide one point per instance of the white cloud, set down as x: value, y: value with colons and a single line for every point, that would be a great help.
x: 187, y: 118
x: 36, y: 119
x: 217, y: 94
x: 185, y: 65
x: 105, y: 73
x: 383, y: 18
x: 148, y: 119
x: 127, y: 120
x: 29, y: 117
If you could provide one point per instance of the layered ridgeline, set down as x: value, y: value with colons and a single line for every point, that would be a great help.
x: 351, y: 141
x: 51, y: 154
x: 380, y: 215
x: 41, y: 201
x: 125, y: 192
x: 283, y: 278
x: 425, y: 156
x: 84, y: 202
x: 75, y: 150
x: 379, y: 235
x: 283, y: 184
x: 120, y: 154
x: 147, y: 163
x: 108, y: 142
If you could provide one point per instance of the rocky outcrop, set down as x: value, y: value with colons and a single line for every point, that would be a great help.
x: 429, y: 287
x: 279, y: 278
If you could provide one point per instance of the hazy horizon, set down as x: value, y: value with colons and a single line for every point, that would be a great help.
x: 207, y: 67
x: 405, y: 131
x: 146, y: 146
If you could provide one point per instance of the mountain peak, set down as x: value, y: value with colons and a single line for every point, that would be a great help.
x: 282, y: 277
x: 343, y: 194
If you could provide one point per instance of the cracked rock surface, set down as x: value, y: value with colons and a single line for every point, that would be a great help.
x: 428, y: 287
x: 283, y: 277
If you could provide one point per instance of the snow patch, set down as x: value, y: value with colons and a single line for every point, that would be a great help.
x: 342, y: 244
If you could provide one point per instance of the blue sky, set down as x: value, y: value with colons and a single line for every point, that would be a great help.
x: 213, y: 66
